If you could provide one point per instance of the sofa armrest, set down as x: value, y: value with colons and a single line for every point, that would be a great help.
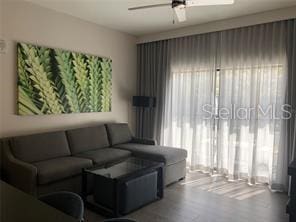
x: 143, y: 141
x: 19, y: 173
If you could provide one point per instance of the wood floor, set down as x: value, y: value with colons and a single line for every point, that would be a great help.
x: 201, y: 198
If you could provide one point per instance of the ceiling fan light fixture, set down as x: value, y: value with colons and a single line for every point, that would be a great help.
x: 180, y: 7
x: 180, y: 13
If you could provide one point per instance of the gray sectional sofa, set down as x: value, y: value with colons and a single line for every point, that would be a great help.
x: 53, y: 161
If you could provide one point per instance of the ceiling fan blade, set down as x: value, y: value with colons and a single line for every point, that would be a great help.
x: 150, y: 6
x: 191, y: 3
x: 180, y: 13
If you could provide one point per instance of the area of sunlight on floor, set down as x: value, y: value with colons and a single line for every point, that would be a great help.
x: 217, y: 184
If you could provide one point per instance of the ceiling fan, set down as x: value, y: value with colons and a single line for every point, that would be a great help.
x: 179, y: 6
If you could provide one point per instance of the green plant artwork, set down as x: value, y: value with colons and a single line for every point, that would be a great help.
x: 55, y: 81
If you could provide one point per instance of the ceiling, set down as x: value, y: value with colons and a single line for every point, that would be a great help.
x: 114, y: 13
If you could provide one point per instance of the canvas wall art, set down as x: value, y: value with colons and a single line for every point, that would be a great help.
x: 55, y: 81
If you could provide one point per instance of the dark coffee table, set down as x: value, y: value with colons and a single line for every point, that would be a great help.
x: 123, y: 187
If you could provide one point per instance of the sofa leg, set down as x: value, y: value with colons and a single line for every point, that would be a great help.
x: 174, y: 182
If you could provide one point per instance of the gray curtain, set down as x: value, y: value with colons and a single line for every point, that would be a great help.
x: 153, y: 70
x: 291, y: 92
x: 253, y: 75
x: 190, y: 88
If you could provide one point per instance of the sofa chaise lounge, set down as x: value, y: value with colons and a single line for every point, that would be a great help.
x: 53, y: 161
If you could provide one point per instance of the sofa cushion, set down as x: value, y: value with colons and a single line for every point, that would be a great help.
x: 60, y: 168
x: 85, y: 139
x: 105, y: 156
x: 39, y: 147
x: 119, y: 133
x: 168, y: 155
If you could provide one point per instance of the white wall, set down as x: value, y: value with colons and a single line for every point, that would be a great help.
x: 25, y: 22
x: 265, y: 17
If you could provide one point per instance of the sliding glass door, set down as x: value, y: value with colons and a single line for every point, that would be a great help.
x: 226, y: 106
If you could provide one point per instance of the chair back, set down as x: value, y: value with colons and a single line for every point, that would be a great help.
x: 68, y: 202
